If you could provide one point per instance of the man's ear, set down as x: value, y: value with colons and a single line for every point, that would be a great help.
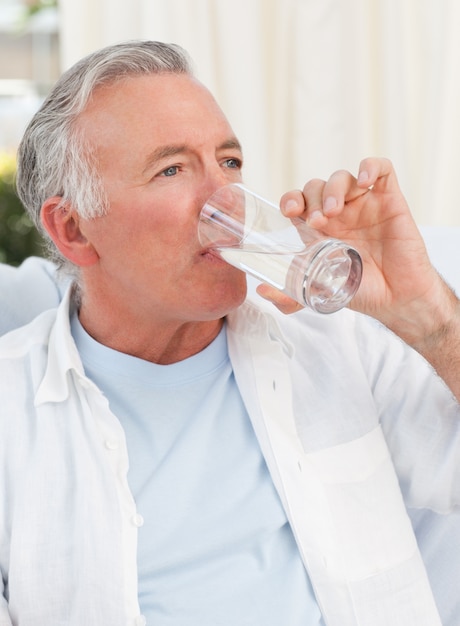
x: 62, y: 224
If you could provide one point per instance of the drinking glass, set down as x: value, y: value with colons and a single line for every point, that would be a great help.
x: 252, y: 234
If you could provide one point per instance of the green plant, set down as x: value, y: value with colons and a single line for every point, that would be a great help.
x: 18, y: 236
x: 35, y: 6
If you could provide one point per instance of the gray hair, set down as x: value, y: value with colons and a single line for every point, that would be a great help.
x: 53, y: 157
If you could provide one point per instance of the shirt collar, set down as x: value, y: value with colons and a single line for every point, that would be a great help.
x: 62, y: 357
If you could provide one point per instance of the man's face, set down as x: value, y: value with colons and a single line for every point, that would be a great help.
x: 163, y: 146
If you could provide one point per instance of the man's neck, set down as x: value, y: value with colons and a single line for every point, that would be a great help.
x: 162, y: 343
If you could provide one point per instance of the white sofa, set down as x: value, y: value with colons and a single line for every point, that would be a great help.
x: 443, y: 244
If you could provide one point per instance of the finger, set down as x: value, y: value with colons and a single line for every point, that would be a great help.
x: 292, y: 203
x: 282, y: 302
x: 341, y: 187
x: 307, y: 204
x: 377, y: 171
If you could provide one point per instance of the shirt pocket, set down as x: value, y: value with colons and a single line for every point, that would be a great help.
x: 372, y: 531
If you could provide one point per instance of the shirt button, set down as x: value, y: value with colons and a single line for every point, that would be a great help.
x: 111, y: 444
x: 140, y: 621
x: 137, y: 520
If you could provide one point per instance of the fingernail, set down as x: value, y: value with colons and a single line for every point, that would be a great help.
x: 329, y: 204
x: 363, y: 177
x: 291, y: 206
x: 314, y: 216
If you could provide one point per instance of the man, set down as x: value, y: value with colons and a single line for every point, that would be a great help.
x: 174, y: 454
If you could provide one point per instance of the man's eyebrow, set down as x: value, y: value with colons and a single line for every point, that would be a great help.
x: 231, y: 144
x: 163, y: 152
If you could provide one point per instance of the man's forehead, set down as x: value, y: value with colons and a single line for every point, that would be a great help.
x: 162, y: 83
x: 158, y: 96
x: 129, y: 113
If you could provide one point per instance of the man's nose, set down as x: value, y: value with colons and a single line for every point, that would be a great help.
x: 213, y: 181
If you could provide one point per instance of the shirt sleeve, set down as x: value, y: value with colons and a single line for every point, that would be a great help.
x: 5, y: 619
x: 421, y: 421
x: 26, y: 291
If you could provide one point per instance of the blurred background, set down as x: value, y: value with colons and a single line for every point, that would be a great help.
x: 309, y: 86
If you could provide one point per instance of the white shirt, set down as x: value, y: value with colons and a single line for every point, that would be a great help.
x: 316, y: 388
x: 215, y: 547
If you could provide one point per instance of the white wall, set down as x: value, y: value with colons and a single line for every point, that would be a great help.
x: 312, y: 86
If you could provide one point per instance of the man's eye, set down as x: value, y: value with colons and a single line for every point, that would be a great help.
x: 170, y: 171
x: 233, y: 164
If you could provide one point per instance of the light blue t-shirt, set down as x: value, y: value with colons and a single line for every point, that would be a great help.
x: 216, y: 548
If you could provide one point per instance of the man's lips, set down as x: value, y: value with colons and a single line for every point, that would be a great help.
x: 211, y: 253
